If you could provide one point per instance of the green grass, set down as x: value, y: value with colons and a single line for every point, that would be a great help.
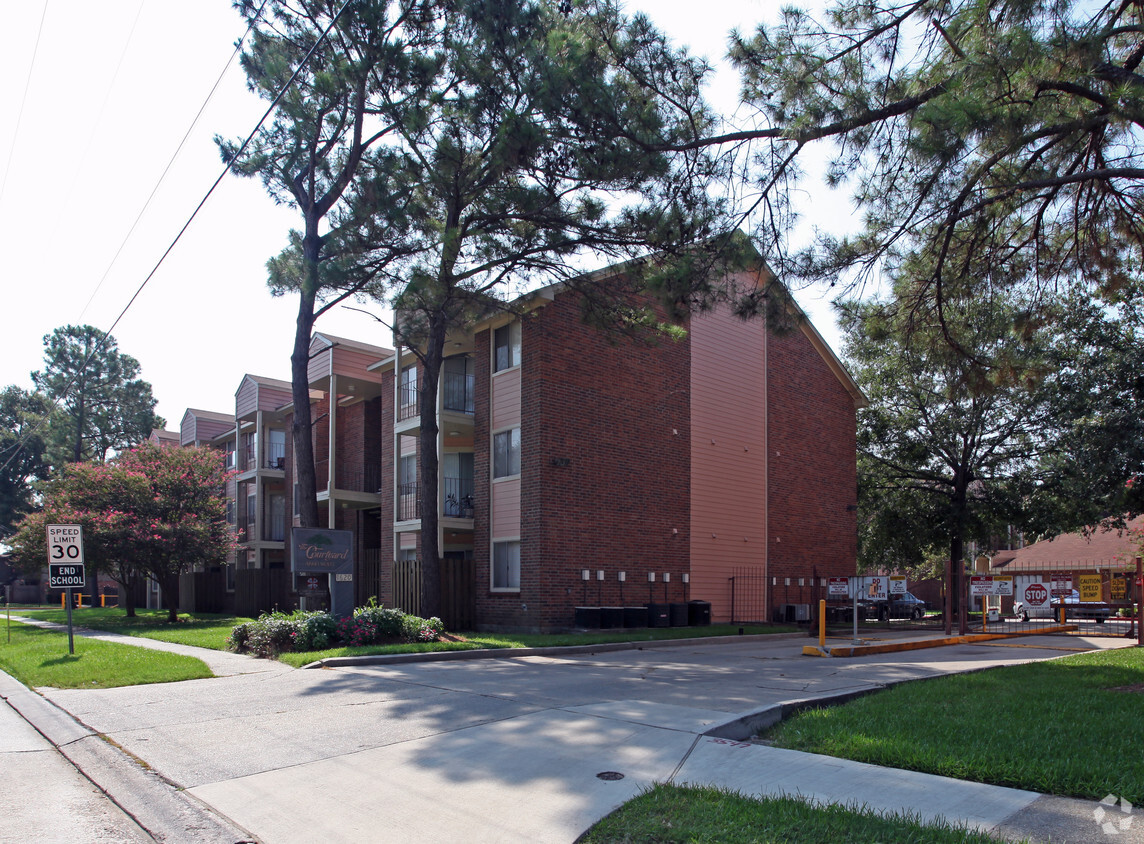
x: 476, y: 641
x: 202, y: 630
x: 1058, y: 727
x: 705, y: 815
x: 39, y: 657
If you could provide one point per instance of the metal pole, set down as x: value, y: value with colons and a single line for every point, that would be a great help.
x: 1139, y: 606
x: 71, y: 640
x: 854, y: 614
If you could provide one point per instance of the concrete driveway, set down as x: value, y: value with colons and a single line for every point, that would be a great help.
x: 491, y: 749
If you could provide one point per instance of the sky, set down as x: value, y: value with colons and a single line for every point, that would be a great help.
x: 97, y: 100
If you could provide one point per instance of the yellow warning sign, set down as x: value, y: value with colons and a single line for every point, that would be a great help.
x: 1089, y: 587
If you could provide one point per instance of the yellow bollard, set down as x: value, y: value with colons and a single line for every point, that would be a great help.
x: 102, y: 600
x: 822, y: 622
x: 64, y: 600
x: 79, y: 600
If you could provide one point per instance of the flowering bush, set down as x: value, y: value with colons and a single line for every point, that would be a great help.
x: 277, y: 632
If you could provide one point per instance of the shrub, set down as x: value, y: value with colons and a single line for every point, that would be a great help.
x: 278, y: 632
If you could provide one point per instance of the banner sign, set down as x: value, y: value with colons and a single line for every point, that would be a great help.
x: 1089, y: 587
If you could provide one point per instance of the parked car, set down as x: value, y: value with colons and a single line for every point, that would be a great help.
x: 1074, y: 607
x: 906, y: 605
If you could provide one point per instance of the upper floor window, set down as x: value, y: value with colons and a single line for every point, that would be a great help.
x: 506, y: 346
x: 506, y: 453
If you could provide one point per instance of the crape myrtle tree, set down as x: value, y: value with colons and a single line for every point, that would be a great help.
x: 948, y: 445
x: 23, y: 446
x: 326, y: 127
x: 151, y: 511
x: 525, y: 178
x: 1005, y: 133
x: 103, y: 404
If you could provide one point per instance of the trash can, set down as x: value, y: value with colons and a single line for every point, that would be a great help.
x: 658, y: 615
x: 699, y: 613
x: 611, y: 617
x: 587, y: 617
x: 678, y: 613
x: 635, y: 616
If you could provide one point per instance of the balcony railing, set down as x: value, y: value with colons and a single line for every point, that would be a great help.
x: 407, y: 401
x: 408, y: 502
x: 276, y: 456
x: 457, y: 392
x: 458, y: 501
x: 351, y: 477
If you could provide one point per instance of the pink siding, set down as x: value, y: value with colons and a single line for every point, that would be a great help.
x: 246, y: 399
x: 407, y: 540
x: 505, y: 389
x: 506, y: 509
x: 728, y: 454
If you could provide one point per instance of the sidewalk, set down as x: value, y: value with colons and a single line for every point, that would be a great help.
x: 509, y: 749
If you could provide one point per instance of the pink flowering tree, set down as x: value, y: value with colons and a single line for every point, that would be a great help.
x: 151, y: 511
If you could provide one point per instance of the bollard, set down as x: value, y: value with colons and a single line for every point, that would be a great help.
x: 822, y: 622
x: 63, y: 600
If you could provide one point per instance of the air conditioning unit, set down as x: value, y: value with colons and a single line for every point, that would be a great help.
x: 796, y: 612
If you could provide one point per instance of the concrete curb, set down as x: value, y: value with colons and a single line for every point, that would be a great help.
x: 564, y: 650
x: 158, y: 806
x: 919, y: 644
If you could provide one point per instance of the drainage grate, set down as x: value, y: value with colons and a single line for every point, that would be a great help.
x: 609, y: 775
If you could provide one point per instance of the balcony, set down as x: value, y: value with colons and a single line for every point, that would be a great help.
x: 351, y: 477
x: 276, y: 456
x: 407, y: 404
x: 458, y: 501
x: 457, y: 392
x: 408, y: 502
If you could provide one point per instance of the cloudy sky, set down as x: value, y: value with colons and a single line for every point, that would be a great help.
x: 97, y: 100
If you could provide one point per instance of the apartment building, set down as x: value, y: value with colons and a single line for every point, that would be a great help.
x: 574, y: 467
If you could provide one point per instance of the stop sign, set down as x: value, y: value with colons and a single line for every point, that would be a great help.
x: 1036, y: 594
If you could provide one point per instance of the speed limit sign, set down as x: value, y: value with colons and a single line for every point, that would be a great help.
x: 65, y: 556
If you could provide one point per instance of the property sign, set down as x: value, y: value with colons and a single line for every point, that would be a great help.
x: 324, y: 551
x: 65, y: 556
x: 990, y: 584
x: 1089, y: 587
x: 897, y: 584
x: 1062, y: 583
x: 838, y: 587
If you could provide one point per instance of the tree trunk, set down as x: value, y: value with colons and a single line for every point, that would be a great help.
x: 129, y: 596
x: 957, y: 551
x: 429, y: 466
x: 302, y: 425
x: 170, y: 586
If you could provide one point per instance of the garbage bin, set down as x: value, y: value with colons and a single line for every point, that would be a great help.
x: 699, y: 613
x: 611, y: 617
x: 587, y: 616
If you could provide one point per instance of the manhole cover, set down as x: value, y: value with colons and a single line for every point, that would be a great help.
x: 610, y: 775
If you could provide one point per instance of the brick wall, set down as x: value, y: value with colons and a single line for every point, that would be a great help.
x: 812, y: 475
x: 617, y: 411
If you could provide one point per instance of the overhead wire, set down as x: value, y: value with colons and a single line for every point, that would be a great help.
x: 24, y: 100
x: 17, y: 447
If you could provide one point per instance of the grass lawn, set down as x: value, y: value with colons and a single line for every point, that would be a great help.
x: 39, y: 657
x: 694, y: 815
x: 1069, y: 727
x: 202, y: 630
x: 474, y: 641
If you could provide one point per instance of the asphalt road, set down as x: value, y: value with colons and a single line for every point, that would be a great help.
x: 478, y: 750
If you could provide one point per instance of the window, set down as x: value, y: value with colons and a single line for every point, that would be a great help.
x: 506, y: 566
x: 407, y: 471
x: 230, y: 452
x: 506, y: 346
x: 506, y: 453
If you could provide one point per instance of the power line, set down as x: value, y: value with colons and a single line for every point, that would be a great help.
x: 226, y: 169
x: 23, y: 101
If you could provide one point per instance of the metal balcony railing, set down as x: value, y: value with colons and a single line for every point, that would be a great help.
x: 457, y: 392
x: 408, y: 502
x: 276, y: 456
x: 351, y: 477
x: 407, y: 401
x: 458, y: 501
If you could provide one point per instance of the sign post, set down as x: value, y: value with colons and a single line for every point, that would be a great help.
x: 65, y: 565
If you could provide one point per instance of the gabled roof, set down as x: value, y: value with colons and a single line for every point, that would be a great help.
x: 212, y: 415
x: 263, y: 381
x: 1100, y: 550
x: 330, y: 340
